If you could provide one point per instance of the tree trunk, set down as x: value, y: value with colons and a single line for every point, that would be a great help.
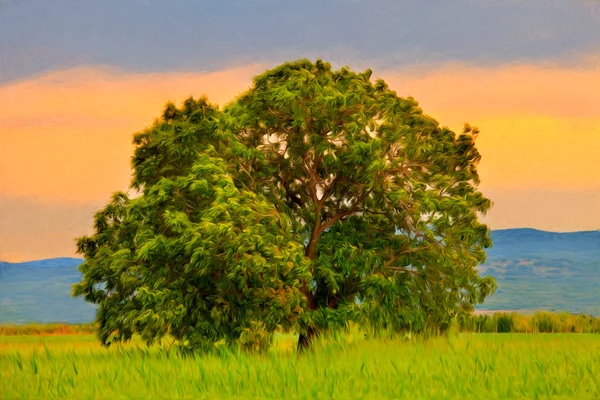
x: 305, y: 340
x: 311, y: 249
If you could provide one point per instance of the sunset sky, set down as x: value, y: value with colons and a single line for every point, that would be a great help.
x: 78, y: 79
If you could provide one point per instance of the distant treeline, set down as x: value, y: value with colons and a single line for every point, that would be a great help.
x: 541, y: 322
x: 47, y: 329
x: 501, y: 322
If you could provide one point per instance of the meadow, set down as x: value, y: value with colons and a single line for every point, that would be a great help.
x: 343, y: 366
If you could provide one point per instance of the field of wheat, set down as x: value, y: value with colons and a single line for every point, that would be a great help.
x: 348, y: 366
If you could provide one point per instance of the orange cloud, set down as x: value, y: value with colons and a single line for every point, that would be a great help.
x: 507, y: 90
x: 66, y: 135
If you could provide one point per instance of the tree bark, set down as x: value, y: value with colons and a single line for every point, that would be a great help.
x: 311, y: 249
x: 305, y: 340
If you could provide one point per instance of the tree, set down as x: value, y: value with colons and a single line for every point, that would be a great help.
x: 316, y: 198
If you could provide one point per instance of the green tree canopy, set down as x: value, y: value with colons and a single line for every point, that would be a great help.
x: 318, y: 196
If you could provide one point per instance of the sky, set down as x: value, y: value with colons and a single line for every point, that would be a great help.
x: 79, y: 78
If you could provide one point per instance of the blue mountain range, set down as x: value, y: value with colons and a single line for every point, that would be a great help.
x: 535, y: 270
x: 40, y: 291
x: 538, y: 270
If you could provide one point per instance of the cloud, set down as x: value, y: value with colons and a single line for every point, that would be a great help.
x: 164, y: 35
x: 66, y: 135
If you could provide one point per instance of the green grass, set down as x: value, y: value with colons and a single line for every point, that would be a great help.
x: 466, y: 366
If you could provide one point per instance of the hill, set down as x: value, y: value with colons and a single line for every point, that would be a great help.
x: 538, y: 270
x: 535, y: 270
x: 39, y: 291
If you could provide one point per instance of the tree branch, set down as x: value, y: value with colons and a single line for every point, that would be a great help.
x: 388, y: 264
x: 249, y: 175
x: 342, y: 214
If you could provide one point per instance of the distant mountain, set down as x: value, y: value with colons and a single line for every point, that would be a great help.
x: 531, y: 242
x: 535, y: 270
x: 40, y: 291
x: 544, y: 271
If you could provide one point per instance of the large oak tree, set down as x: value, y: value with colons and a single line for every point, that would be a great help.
x: 315, y: 198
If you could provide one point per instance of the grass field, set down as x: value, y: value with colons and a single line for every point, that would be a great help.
x: 466, y: 366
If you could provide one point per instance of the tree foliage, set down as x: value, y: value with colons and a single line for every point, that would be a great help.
x: 315, y: 198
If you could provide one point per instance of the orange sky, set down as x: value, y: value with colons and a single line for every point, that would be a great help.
x: 65, y: 142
